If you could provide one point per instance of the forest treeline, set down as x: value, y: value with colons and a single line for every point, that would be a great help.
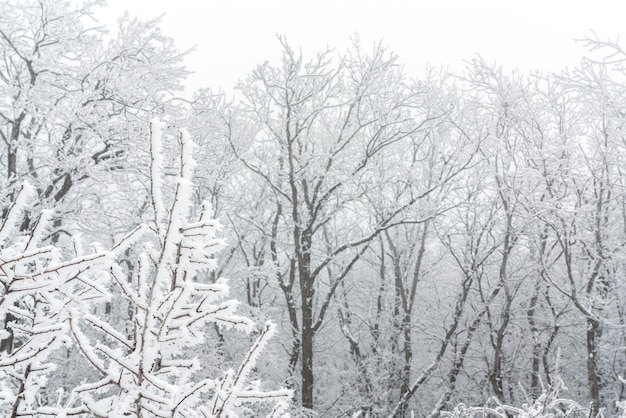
x: 448, y: 245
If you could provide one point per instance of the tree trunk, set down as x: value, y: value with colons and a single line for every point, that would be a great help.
x: 307, y: 292
x: 593, y: 333
x: 11, y: 163
x: 307, y: 363
x: 535, y: 389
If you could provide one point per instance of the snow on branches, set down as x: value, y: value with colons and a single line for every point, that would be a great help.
x: 151, y: 370
x: 145, y: 364
x: 39, y: 289
x: 550, y: 404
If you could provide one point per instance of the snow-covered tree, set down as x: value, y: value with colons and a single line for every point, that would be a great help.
x: 149, y: 368
x: 74, y: 101
x: 145, y: 366
x: 330, y: 140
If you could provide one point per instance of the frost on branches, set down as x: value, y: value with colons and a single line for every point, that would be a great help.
x: 38, y: 292
x: 550, y: 404
x: 146, y: 365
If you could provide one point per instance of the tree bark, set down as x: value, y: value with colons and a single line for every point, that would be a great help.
x: 307, y: 291
x: 593, y: 333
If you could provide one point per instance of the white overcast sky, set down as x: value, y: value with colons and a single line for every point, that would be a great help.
x: 232, y: 36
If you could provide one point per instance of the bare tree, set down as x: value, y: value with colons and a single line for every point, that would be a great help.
x: 324, y: 134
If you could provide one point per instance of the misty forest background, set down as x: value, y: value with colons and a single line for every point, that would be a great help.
x: 449, y: 245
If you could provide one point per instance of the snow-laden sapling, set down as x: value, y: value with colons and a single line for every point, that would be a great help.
x: 151, y: 371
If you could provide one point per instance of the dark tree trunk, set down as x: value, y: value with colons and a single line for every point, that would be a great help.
x: 593, y: 333
x: 307, y: 291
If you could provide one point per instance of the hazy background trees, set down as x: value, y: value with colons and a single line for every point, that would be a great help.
x: 420, y: 243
